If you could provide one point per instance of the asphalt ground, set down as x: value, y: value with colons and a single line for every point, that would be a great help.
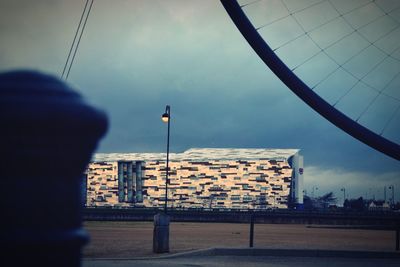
x: 226, y: 261
x: 225, y: 258
x: 134, y: 239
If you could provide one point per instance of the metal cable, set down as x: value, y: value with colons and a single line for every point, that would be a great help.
x: 79, y: 40
x: 73, y: 42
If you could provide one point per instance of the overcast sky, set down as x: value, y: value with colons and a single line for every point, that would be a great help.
x: 137, y: 56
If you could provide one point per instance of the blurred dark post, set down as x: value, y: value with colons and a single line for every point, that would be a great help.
x: 48, y: 134
x: 161, y: 233
x: 251, y: 229
x: 397, y: 237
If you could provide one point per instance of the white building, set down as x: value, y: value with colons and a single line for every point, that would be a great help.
x: 198, y: 178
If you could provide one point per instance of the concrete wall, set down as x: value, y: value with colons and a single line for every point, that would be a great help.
x: 294, y: 217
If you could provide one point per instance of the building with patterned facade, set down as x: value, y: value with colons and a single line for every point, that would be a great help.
x: 198, y: 178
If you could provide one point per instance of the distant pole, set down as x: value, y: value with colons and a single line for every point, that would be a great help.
x: 166, y: 117
x: 251, y: 229
x: 384, y: 192
x: 211, y: 201
x: 313, y: 190
x: 344, y: 194
x: 391, y: 187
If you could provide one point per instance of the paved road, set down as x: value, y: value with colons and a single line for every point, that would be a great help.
x: 248, y: 261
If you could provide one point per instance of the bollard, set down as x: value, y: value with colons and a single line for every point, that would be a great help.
x: 161, y: 233
x: 251, y: 230
x: 48, y: 134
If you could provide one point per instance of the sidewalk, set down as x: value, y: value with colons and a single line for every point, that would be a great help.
x: 255, y: 257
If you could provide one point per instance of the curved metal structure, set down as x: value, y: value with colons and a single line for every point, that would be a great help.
x: 302, y: 90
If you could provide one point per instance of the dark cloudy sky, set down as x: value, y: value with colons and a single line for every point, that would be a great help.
x: 137, y: 56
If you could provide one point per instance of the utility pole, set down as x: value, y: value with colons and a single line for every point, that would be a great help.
x: 344, y: 194
x: 384, y: 192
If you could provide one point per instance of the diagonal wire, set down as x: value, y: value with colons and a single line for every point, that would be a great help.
x: 322, y: 50
x: 349, y: 59
x: 390, y: 120
x: 289, y: 14
x: 335, y: 61
x: 79, y: 40
x: 371, y: 44
x: 73, y: 42
x: 373, y: 101
x: 339, y: 40
x: 341, y: 66
x: 362, y: 36
x: 250, y: 3
x: 388, y: 13
x: 360, y: 80
x: 383, y: 89
x: 316, y: 27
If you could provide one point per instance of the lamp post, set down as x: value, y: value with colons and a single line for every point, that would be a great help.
x: 384, y: 193
x: 391, y: 187
x: 161, y: 220
x: 314, y: 188
x: 166, y: 117
x: 344, y: 194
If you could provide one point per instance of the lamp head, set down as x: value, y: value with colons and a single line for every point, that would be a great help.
x: 165, y: 117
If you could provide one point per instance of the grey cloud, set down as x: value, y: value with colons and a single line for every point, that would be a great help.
x: 138, y: 56
x: 356, y: 183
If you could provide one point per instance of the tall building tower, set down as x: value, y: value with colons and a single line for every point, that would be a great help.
x: 297, y: 194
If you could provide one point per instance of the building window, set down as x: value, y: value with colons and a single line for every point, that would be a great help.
x: 247, y: 198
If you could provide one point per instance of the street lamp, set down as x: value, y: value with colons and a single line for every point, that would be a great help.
x: 166, y: 117
x: 162, y: 220
x: 344, y: 194
x: 391, y: 187
x: 314, y: 188
x: 384, y: 193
